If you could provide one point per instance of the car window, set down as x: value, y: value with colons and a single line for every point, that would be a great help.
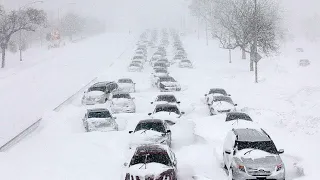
x: 167, y: 98
x: 97, y: 88
x: 223, y: 98
x: 267, y: 146
x: 125, y: 81
x: 242, y: 116
x: 99, y: 114
x: 167, y: 79
x: 219, y: 91
x: 173, y: 109
x: 126, y: 96
x: 155, y: 126
x: 112, y: 86
x: 141, y: 158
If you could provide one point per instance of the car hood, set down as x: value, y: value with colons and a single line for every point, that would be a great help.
x: 170, y: 84
x: 258, y: 159
x: 94, y: 94
x: 222, y: 105
x: 143, y: 170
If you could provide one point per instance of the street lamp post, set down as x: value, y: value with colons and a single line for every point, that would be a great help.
x: 255, y: 42
x: 20, y: 32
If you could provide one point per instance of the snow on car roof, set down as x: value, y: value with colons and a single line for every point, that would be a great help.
x: 251, y: 134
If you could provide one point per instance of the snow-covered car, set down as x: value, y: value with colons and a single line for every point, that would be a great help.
x: 165, y: 61
x: 139, y: 58
x: 157, y: 74
x: 213, y: 93
x: 122, y: 102
x: 98, y: 93
x: 222, y: 104
x: 167, y: 84
x: 251, y: 154
x: 165, y: 98
x: 185, y: 64
x: 160, y: 64
x: 155, y: 58
x: 154, y: 131
x: 135, y: 67
x: 168, y: 112
x: 126, y: 85
x: 152, y: 162
x: 177, y: 58
x: 99, y: 119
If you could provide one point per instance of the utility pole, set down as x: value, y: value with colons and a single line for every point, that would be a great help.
x: 198, y: 28
x: 255, y: 41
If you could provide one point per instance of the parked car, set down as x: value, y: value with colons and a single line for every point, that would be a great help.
x: 126, y: 85
x: 154, y: 131
x: 222, y: 104
x: 135, y: 67
x: 251, y: 154
x: 166, y: 98
x: 185, y: 64
x: 169, y: 112
x: 152, y: 162
x: 98, y: 93
x: 167, y: 84
x: 213, y: 93
x: 122, y: 102
x: 99, y: 120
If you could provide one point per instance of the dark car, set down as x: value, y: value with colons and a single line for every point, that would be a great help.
x: 232, y: 116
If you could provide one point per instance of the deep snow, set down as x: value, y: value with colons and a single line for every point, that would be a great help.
x: 281, y: 103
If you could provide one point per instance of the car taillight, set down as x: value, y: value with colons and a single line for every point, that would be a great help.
x: 241, y: 168
x: 279, y: 167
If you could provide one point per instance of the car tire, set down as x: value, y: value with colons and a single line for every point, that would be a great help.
x: 211, y: 114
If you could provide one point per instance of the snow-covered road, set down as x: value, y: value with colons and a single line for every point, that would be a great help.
x: 60, y: 149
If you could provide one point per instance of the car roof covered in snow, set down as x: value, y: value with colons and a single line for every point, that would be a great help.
x: 251, y: 135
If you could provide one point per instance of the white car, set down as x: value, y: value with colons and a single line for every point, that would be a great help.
x: 185, y: 64
x: 122, y: 102
x: 99, y: 120
x: 222, y: 104
x: 141, y: 58
x: 135, y: 67
x: 152, y: 162
x: 213, y: 93
x: 165, y: 98
x: 168, y: 84
x: 168, y: 112
x: 126, y: 85
x: 98, y: 93
x: 153, y: 131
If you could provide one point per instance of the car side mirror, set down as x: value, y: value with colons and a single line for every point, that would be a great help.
x: 183, y: 113
x: 235, y: 104
x: 205, y: 94
x: 281, y: 151
x: 114, y: 117
x: 130, y: 132
x: 168, y: 131
x: 125, y: 164
x: 149, y: 114
x: 227, y: 151
x: 229, y: 94
x: 178, y: 102
x: 151, y: 103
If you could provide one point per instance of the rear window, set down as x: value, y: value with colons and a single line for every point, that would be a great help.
x: 97, y: 88
x: 125, y: 81
x: 173, y: 109
x: 167, y: 79
x: 167, y: 98
x: 100, y: 114
x: 219, y: 91
x: 242, y: 116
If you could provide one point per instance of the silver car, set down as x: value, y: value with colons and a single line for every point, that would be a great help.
x: 99, y: 120
x: 122, y: 102
x: 251, y: 154
x: 98, y: 93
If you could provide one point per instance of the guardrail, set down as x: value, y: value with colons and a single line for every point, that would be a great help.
x: 15, y: 140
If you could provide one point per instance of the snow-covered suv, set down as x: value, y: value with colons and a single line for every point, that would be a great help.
x: 250, y: 153
x: 152, y: 162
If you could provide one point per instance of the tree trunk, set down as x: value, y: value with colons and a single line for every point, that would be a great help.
x: 244, y: 55
x: 3, y: 64
x: 251, y: 64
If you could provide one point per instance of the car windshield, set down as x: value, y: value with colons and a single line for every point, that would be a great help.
x: 166, y: 98
x: 126, y: 96
x: 161, y: 71
x: 185, y: 61
x: 125, y: 81
x: 236, y: 116
x: 223, y: 98
x: 138, y: 57
x: 97, y: 88
x: 267, y: 146
x: 167, y: 79
x: 218, y: 91
x: 167, y: 109
x: 155, y: 126
x: 151, y: 157
x: 160, y: 64
x: 99, y: 114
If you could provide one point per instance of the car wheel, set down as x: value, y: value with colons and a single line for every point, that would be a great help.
x: 211, y: 112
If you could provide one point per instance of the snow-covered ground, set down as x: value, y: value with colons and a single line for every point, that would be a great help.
x: 284, y: 103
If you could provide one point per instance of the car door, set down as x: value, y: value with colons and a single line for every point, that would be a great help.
x: 228, y: 148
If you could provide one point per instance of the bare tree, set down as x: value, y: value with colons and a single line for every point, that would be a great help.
x: 15, y: 21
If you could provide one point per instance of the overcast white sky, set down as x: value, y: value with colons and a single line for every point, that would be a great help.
x: 149, y: 12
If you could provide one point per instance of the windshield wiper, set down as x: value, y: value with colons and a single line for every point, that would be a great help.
x: 144, y: 131
x: 145, y: 162
x: 248, y: 151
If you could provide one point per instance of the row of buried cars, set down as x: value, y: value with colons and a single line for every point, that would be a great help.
x: 248, y: 150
